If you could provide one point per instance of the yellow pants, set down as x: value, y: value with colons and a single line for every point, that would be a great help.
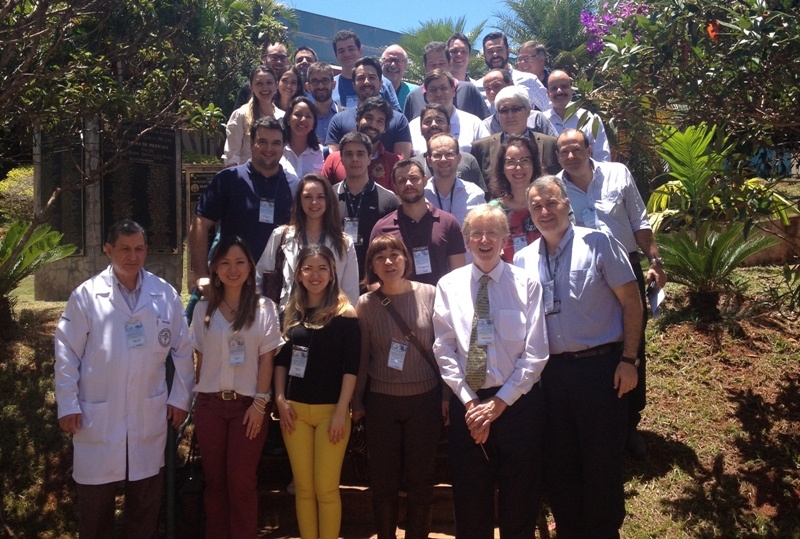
x: 316, y: 466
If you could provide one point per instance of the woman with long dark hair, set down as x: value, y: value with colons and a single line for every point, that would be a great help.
x: 315, y: 375
x: 404, y: 405
x: 235, y: 336
x: 290, y: 85
x: 517, y: 164
x: 315, y: 219
x: 303, y: 150
x: 263, y: 81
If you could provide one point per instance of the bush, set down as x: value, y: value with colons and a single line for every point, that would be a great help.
x: 16, y: 195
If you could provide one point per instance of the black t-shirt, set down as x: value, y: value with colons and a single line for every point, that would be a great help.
x: 333, y: 351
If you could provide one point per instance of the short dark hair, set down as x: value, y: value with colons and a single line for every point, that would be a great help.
x: 304, y: 48
x: 434, y: 46
x: 379, y: 244
x: 495, y: 35
x: 506, y: 76
x: 267, y: 122
x: 311, y: 139
x: 357, y: 138
x: 126, y: 227
x: 500, y: 184
x: 344, y: 35
x: 403, y: 163
x: 434, y: 106
x: 535, y: 45
x: 321, y: 66
x: 461, y: 37
x: 372, y: 103
x: 437, y: 74
x: 367, y: 61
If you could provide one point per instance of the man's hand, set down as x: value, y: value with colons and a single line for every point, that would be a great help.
x: 480, y: 415
x: 176, y: 415
x: 70, y: 423
x: 625, y: 378
x: 656, y: 273
x: 203, y: 284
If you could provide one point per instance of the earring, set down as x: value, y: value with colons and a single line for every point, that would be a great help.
x: 217, y: 282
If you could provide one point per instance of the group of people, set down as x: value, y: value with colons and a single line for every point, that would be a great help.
x: 462, y: 254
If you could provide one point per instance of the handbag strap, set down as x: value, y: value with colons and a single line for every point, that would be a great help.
x: 407, y: 332
x: 280, y: 256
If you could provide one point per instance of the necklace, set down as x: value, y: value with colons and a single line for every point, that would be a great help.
x: 233, y: 311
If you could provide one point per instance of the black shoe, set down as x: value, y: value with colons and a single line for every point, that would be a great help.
x: 635, y: 444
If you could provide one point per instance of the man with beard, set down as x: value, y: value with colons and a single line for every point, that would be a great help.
x: 320, y: 85
x: 495, y: 54
x: 367, y: 75
x: 372, y: 116
x: 347, y: 48
x: 440, y: 88
x: 434, y: 120
x: 445, y: 190
x: 432, y: 236
x: 395, y: 63
x: 304, y: 57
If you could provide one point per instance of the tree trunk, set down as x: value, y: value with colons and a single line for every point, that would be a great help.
x: 705, y: 305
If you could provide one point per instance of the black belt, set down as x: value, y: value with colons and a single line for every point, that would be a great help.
x: 601, y: 350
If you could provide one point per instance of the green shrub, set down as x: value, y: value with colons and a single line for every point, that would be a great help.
x: 16, y: 195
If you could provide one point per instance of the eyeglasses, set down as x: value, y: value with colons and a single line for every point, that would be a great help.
x: 525, y: 162
x: 320, y: 82
x: 436, y: 156
x: 529, y: 57
x: 513, y: 109
x: 479, y: 234
x: 278, y: 57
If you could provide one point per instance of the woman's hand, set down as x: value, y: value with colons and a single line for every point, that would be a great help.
x: 287, y: 415
x: 338, y: 424
x: 254, y: 421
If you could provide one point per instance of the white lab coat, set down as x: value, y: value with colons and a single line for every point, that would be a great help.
x: 120, y: 392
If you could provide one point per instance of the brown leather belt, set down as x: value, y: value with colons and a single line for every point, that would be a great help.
x: 601, y: 350
x: 229, y: 395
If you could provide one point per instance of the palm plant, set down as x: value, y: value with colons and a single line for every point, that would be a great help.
x: 704, y: 236
x: 415, y: 39
x: 555, y: 23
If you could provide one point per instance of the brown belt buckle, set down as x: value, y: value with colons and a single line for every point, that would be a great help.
x: 229, y: 395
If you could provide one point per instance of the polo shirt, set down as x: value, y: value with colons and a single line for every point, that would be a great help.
x: 233, y: 199
x: 345, y: 93
x: 379, y: 169
x: 345, y: 122
x: 437, y: 231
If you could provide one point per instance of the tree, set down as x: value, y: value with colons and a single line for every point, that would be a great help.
x: 415, y: 39
x: 131, y: 66
x: 554, y: 23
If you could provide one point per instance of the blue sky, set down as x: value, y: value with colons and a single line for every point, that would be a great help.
x: 400, y: 15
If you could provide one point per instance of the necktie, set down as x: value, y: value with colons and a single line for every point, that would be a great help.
x: 476, y: 356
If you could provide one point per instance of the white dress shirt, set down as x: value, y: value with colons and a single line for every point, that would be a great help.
x: 592, y: 123
x: 514, y: 362
x: 310, y: 160
x: 462, y: 197
x: 466, y: 127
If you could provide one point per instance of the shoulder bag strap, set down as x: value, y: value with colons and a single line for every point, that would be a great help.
x: 412, y: 338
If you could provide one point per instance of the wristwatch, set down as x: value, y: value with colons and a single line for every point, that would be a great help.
x: 656, y: 261
x: 631, y: 360
x: 266, y: 396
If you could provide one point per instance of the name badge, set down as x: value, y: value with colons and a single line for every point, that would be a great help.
x: 589, y: 217
x: 422, y: 261
x: 397, y: 355
x: 520, y: 242
x: 551, y: 306
x: 134, y: 334
x: 236, y: 351
x: 485, y: 331
x: 351, y: 229
x: 299, y: 361
x: 266, y: 211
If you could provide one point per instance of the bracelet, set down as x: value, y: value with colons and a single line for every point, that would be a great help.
x: 656, y: 261
x: 260, y: 409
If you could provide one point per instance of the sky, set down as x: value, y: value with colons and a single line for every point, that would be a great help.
x: 401, y: 15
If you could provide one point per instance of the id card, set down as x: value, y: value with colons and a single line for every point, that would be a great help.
x: 485, y: 331
x: 299, y: 361
x: 266, y: 211
x: 351, y: 229
x: 520, y: 242
x: 551, y: 306
x: 422, y: 261
x: 134, y: 334
x: 589, y: 217
x: 235, y: 351
x: 397, y: 355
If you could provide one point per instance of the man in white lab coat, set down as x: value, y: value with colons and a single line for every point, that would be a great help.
x: 111, y: 346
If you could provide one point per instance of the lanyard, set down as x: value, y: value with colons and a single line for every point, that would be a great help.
x: 439, y: 198
x: 350, y: 200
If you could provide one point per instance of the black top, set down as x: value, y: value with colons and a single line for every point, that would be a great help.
x: 333, y: 351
